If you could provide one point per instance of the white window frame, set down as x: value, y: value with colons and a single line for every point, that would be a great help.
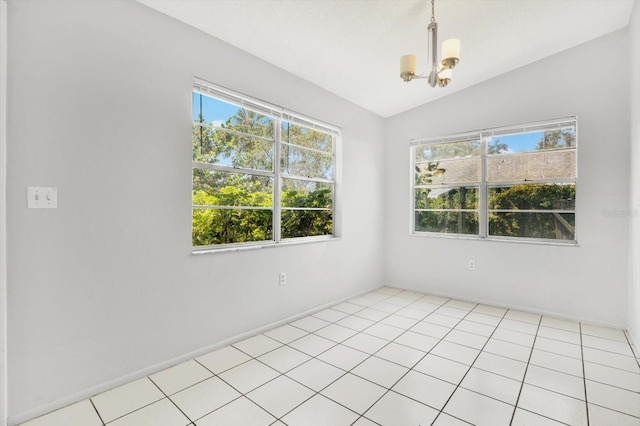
x: 483, y: 209
x: 278, y: 115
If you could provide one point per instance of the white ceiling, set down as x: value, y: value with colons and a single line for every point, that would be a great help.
x: 352, y: 47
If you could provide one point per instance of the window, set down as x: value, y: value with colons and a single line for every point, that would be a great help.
x: 261, y: 174
x: 516, y: 183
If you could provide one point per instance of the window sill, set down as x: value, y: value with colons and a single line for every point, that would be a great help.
x: 264, y: 245
x: 498, y: 239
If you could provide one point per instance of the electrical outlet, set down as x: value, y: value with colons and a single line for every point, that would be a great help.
x: 472, y: 265
x: 283, y: 278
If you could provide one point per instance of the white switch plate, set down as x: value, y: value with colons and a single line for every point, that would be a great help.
x: 40, y: 197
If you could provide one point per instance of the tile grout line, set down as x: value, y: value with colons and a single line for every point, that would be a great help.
x: 607, y: 384
x: 242, y: 394
x: 544, y: 415
x: 226, y: 383
x: 137, y: 409
x: 584, y: 374
x: 624, y: 370
x: 326, y: 350
x: 245, y: 394
x: 633, y: 352
x: 470, y: 366
x: 340, y: 343
x: 171, y: 400
x: 452, y: 328
x: 389, y: 389
x: 279, y: 418
x: 515, y: 406
x: 387, y: 344
x: 427, y: 353
x: 616, y: 410
x: 97, y: 412
x: 573, y: 375
x: 470, y: 332
x: 372, y: 355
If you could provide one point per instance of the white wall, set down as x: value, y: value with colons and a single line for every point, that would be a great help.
x: 3, y: 213
x: 586, y: 282
x: 104, y: 286
x: 634, y: 202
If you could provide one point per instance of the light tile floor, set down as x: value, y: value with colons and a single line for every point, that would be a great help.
x: 393, y: 358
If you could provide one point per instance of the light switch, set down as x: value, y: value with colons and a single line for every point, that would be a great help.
x: 40, y: 197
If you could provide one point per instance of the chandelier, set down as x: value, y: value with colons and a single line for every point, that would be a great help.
x: 450, y: 58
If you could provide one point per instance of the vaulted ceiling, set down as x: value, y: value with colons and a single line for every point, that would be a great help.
x: 352, y: 47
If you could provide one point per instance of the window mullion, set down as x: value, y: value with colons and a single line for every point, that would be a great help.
x: 228, y: 169
x: 277, y: 181
x: 412, y: 188
x: 336, y: 200
x: 308, y: 178
x: 484, y: 193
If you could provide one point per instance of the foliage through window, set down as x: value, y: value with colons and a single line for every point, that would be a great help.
x: 260, y: 174
x: 516, y: 183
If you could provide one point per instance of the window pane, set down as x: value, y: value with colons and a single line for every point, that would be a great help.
x: 303, y: 136
x: 447, y: 163
x: 447, y: 198
x: 214, y: 188
x: 532, y: 141
x: 204, y: 109
x: 220, y: 132
x: 532, y: 166
x: 548, y: 154
x: 222, y: 226
x: 303, y: 162
x: 533, y: 197
x: 447, y: 222
x: 553, y: 226
x: 220, y: 114
x: 306, y: 223
x: 301, y: 193
x: 448, y: 150
x: 448, y: 172
x: 230, y: 149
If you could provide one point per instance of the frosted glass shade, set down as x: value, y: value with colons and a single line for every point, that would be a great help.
x: 451, y: 49
x: 408, y: 64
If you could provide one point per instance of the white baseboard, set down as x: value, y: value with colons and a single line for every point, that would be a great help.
x: 509, y: 306
x: 103, y: 387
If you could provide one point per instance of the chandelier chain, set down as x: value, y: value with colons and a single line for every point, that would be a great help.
x: 433, y: 11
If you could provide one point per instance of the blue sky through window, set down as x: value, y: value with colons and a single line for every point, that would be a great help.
x: 519, y: 142
x: 523, y: 142
x: 213, y: 110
